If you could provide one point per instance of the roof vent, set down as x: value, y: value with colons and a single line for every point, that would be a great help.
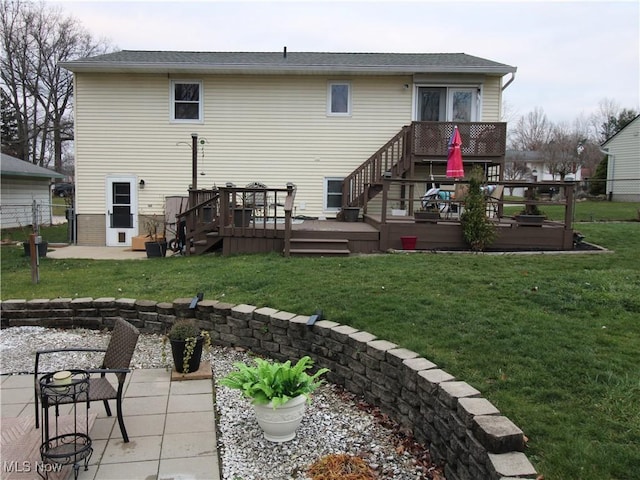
x: 284, y: 52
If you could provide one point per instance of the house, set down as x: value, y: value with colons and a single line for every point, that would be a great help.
x: 153, y: 125
x: 26, y: 193
x: 623, y: 166
x: 533, y: 166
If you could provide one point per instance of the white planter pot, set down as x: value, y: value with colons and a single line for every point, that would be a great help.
x: 280, y: 424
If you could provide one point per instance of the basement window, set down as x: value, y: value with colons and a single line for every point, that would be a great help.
x: 332, y: 194
x: 186, y: 101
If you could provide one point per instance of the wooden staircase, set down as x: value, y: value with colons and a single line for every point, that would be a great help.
x: 394, y: 159
x: 319, y: 247
x: 206, y: 243
x: 202, y: 222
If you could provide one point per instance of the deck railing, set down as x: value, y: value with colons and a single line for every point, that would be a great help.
x: 202, y: 215
x: 393, y: 157
x: 411, y: 193
x: 484, y: 141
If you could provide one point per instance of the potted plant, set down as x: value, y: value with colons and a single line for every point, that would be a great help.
x: 531, y: 215
x: 156, y: 246
x: 187, y: 342
x: 279, y: 393
x: 428, y: 212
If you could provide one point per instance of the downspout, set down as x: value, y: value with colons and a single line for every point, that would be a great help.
x: 611, y: 164
x: 509, y: 82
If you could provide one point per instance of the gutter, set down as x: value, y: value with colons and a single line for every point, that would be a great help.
x: 270, y: 68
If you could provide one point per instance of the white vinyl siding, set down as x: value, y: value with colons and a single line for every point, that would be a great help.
x: 17, y: 196
x: 271, y: 129
x: 624, y: 163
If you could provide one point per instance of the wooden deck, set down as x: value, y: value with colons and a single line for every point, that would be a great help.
x: 370, y: 235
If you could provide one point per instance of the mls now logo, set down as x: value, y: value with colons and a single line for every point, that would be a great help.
x: 28, y: 467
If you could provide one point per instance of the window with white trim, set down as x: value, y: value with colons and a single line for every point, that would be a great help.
x: 186, y: 101
x: 447, y: 104
x: 339, y: 98
x: 332, y: 194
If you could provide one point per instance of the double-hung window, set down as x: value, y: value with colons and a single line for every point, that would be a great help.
x: 339, y: 98
x: 332, y: 194
x: 186, y: 101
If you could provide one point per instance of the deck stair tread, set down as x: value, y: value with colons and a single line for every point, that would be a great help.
x: 320, y: 240
x: 318, y: 251
x: 320, y: 246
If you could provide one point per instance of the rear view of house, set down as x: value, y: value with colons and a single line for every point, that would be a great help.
x: 308, y: 119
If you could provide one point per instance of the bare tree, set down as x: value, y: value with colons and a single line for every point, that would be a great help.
x: 35, y: 37
x: 562, y: 151
x: 516, y: 169
x: 532, y: 131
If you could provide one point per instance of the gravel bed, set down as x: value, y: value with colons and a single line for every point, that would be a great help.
x: 335, y: 421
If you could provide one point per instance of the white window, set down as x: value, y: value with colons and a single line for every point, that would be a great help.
x: 186, y: 101
x: 339, y: 98
x: 332, y: 194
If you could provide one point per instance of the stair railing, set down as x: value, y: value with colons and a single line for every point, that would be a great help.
x: 393, y: 158
x: 202, y: 217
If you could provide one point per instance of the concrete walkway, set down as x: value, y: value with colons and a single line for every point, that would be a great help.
x: 95, y: 253
x: 171, y: 427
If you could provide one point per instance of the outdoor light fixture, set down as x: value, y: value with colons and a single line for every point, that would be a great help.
x: 141, y: 183
x: 231, y: 185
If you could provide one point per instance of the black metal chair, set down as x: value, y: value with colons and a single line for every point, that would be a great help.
x: 116, y: 361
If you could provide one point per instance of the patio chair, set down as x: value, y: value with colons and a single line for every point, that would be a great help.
x: 494, y: 199
x: 116, y: 361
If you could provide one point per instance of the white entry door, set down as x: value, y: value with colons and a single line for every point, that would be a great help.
x: 122, y: 210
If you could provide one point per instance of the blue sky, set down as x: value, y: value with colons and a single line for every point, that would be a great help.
x: 570, y: 55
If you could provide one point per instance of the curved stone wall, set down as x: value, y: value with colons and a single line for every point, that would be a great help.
x: 461, y: 429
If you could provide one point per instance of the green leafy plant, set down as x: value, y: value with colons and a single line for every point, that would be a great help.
x: 273, y: 381
x: 477, y: 229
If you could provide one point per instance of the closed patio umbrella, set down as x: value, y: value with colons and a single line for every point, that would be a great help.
x: 455, y: 169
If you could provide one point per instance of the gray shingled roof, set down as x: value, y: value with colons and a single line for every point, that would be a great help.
x: 292, y: 62
x: 12, y: 166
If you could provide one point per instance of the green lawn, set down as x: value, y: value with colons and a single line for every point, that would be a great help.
x: 552, y: 340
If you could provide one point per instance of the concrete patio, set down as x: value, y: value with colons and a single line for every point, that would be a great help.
x: 171, y: 427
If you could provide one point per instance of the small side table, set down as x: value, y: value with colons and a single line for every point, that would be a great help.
x: 60, y: 447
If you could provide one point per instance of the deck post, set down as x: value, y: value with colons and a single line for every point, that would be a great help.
x: 288, y: 208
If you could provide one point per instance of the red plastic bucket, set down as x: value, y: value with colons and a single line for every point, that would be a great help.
x: 408, y: 243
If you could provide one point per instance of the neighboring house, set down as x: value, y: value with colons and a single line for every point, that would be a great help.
x: 26, y: 191
x: 271, y: 118
x: 531, y: 165
x: 623, y: 166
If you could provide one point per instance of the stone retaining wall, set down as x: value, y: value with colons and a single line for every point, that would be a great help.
x: 462, y: 429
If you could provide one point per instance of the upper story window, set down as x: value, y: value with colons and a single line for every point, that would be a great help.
x: 186, y: 101
x: 339, y: 98
x: 447, y: 104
